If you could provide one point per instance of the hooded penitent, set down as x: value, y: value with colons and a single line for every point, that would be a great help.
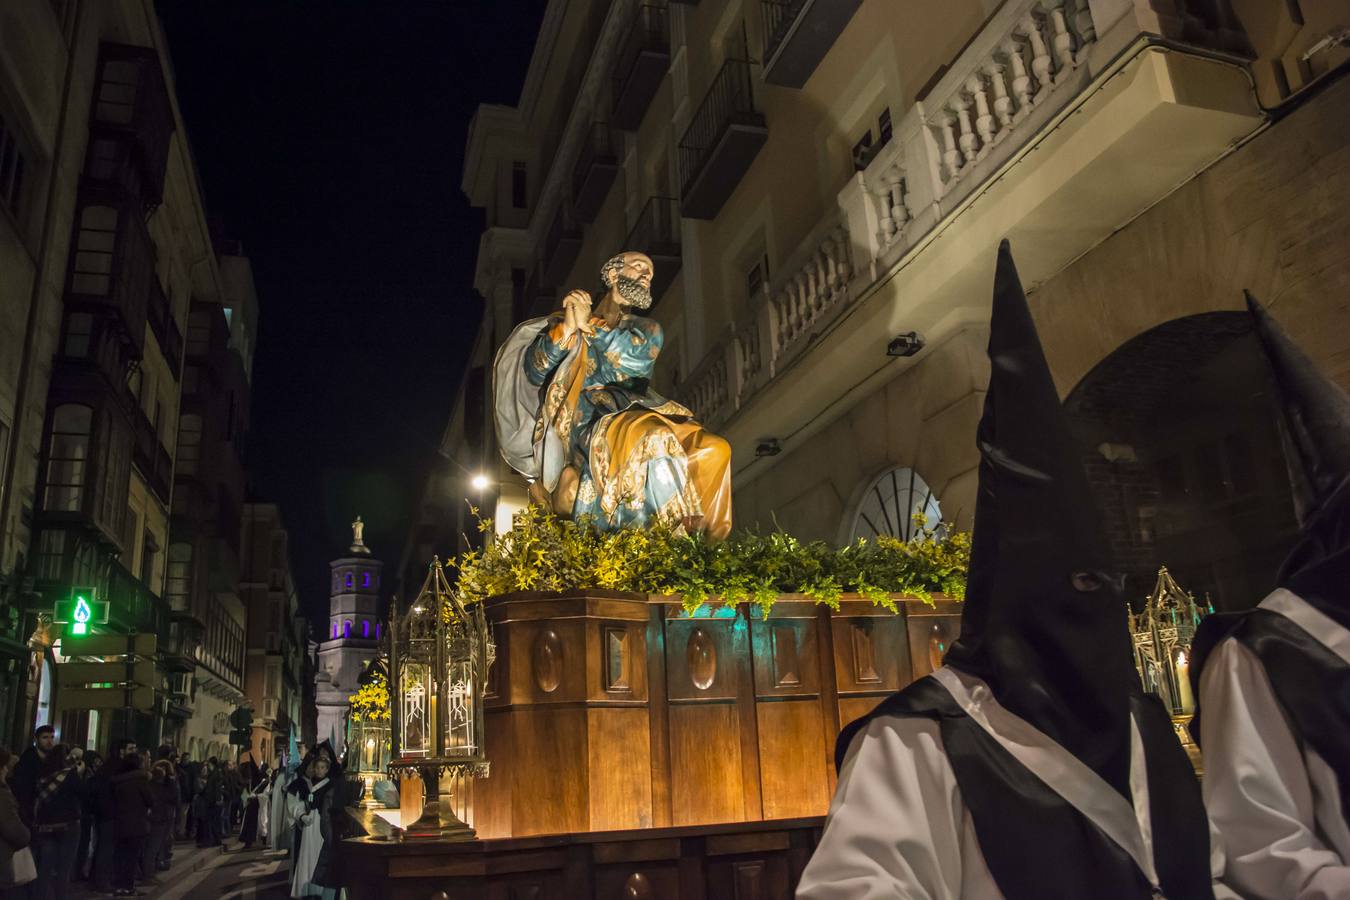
x: 1315, y: 429
x: 1044, y: 623
x: 1044, y: 626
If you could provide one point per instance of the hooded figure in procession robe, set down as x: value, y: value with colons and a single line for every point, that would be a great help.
x: 1274, y: 682
x: 314, y: 802
x: 279, y: 825
x: 576, y: 415
x: 1031, y: 764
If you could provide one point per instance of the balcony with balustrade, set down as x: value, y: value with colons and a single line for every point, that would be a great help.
x: 722, y: 140
x: 798, y: 34
x: 1057, y: 124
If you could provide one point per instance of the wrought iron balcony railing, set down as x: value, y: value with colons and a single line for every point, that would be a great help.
x: 723, y: 138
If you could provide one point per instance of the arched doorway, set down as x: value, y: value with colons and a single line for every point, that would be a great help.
x: 1182, y: 449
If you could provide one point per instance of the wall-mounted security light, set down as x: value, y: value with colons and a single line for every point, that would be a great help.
x: 768, y: 447
x: 906, y: 344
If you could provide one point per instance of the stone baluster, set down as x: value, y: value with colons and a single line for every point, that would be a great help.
x: 984, y: 120
x: 1083, y: 26
x: 843, y: 259
x: 967, y: 140
x: 798, y: 305
x: 887, y: 226
x: 1041, y: 63
x: 951, y: 156
x: 1061, y: 40
x: 895, y: 181
x: 1002, y: 102
x: 783, y: 315
x: 1021, y: 81
x: 815, y: 276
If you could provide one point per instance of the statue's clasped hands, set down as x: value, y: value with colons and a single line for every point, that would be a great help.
x: 577, y: 313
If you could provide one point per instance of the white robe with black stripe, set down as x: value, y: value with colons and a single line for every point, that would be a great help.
x: 1276, y: 803
x: 897, y: 826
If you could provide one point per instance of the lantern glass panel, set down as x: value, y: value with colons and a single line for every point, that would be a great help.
x: 416, y: 709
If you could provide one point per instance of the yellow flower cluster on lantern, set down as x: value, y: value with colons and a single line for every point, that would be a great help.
x: 371, y: 702
x: 543, y: 552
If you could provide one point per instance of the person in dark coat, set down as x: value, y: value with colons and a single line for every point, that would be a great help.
x: 83, y: 865
x: 29, y: 770
x: 100, y: 792
x: 209, y: 798
x: 132, y: 802
x: 56, y: 823
x: 252, y: 782
x: 163, y: 812
x: 14, y: 834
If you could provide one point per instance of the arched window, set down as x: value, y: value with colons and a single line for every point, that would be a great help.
x: 334, y: 631
x: 377, y: 631
x: 365, y: 628
x: 68, y: 458
x: 365, y: 579
x: 893, y: 505
x: 347, y: 629
x: 349, y: 579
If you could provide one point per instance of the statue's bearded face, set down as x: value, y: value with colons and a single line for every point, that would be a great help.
x: 630, y: 274
x: 634, y: 291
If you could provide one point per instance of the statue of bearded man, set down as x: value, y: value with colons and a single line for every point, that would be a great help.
x: 576, y: 415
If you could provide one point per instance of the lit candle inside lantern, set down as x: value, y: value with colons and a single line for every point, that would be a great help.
x: 1184, y: 696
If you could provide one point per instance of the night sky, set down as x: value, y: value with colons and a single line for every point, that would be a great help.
x: 329, y: 137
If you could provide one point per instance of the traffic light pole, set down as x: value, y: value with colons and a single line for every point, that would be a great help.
x: 128, y: 687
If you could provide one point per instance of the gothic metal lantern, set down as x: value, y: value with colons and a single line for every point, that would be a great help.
x: 368, y: 734
x: 440, y: 652
x: 1162, y: 636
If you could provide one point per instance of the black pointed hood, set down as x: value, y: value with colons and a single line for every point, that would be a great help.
x: 1314, y: 419
x: 1044, y: 622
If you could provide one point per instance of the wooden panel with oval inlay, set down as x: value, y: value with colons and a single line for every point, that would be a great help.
x: 931, y: 631
x: 547, y: 662
x: 700, y: 663
x: 638, y: 881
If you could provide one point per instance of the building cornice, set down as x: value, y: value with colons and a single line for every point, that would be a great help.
x: 579, y: 120
x: 543, y: 52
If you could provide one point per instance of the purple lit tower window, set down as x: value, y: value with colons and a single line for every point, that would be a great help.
x: 365, y: 579
x: 377, y: 631
x: 347, y: 629
x: 365, y: 628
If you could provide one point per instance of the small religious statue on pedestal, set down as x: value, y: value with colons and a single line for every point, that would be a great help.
x: 576, y: 415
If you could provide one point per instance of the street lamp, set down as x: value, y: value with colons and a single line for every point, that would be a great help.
x: 439, y: 655
x: 480, y: 482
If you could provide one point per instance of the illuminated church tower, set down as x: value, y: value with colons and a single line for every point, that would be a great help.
x: 353, y: 636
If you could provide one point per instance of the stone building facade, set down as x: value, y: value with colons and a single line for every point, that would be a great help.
x: 104, y: 250
x: 819, y: 180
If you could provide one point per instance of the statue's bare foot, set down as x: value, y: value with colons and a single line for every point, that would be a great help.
x: 565, y: 495
x: 693, y: 524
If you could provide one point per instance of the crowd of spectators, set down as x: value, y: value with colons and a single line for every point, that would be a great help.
x: 111, y: 821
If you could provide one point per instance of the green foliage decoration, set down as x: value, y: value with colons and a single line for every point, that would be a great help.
x: 371, y: 702
x: 543, y: 552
